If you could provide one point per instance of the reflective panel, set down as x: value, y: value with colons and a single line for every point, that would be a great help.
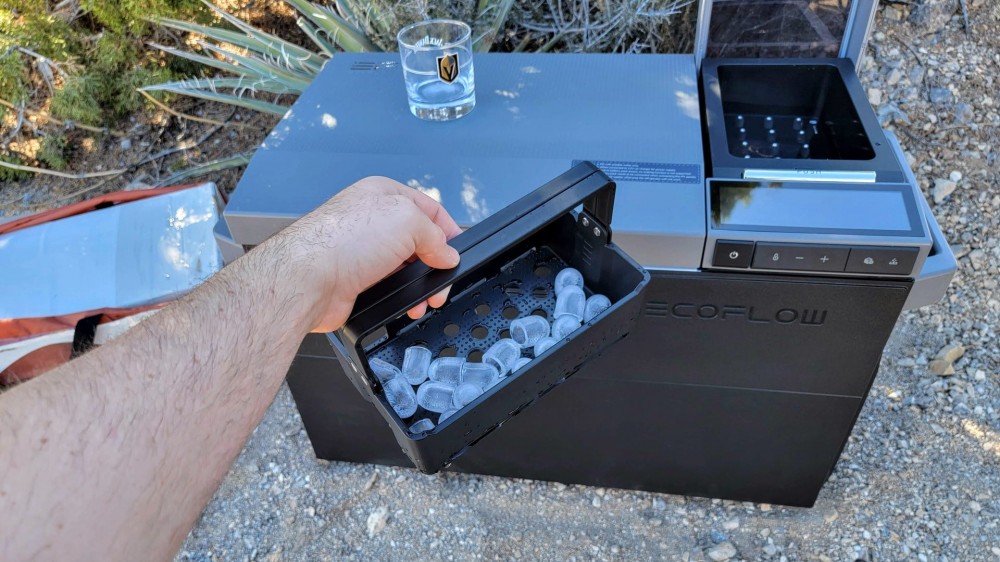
x: 777, y: 28
x: 812, y: 208
x: 853, y: 209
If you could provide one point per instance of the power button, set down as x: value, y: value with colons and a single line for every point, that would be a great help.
x: 732, y: 253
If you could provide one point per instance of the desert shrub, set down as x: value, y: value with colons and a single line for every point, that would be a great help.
x: 97, y: 53
x: 132, y: 16
x: 105, y: 90
x: 54, y: 152
x: 9, y: 174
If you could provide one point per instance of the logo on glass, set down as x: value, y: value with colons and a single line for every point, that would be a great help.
x: 447, y: 66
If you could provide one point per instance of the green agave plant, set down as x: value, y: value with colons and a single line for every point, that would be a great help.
x: 254, y: 61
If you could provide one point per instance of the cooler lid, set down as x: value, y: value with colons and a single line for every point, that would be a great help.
x: 783, y: 28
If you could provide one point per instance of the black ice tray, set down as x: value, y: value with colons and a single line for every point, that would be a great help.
x: 509, y: 262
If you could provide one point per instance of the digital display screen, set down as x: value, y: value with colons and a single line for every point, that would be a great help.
x: 780, y: 206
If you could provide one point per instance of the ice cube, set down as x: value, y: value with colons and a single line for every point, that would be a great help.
x: 416, y: 363
x: 465, y: 393
x: 446, y: 414
x: 522, y: 362
x: 435, y: 396
x: 528, y: 330
x: 421, y: 426
x: 480, y: 374
x: 564, y: 326
x: 568, y: 277
x: 399, y: 395
x: 570, y: 301
x: 502, y: 355
x: 447, y: 370
x: 594, y: 306
x: 544, y: 344
x: 383, y: 369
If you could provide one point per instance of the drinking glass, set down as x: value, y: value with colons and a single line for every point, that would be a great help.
x: 437, y: 68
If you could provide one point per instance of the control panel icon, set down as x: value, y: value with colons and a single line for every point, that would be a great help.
x: 869, y: 261
x: 776, y: 257
x: 733, y: 255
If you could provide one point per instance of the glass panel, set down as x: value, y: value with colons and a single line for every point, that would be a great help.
x: 854, y: 209
x: 777, y: 28
x: 788, y: 207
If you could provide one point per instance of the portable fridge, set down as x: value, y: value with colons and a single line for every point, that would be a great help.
x: 770, y: 230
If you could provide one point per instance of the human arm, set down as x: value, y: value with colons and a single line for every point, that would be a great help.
x: 114, y: 455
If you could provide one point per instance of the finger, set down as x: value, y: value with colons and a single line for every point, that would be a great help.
x: 438, y: 299
x: 417, y: 311
x: 430, y: 244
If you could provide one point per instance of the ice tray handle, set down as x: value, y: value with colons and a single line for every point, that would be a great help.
x: 392, y: 297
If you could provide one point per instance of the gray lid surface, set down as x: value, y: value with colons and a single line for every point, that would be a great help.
x: 636, y: 116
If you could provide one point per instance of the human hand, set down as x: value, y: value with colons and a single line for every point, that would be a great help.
x: 359, y: 237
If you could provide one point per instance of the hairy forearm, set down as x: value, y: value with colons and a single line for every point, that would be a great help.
x: 114, y: 455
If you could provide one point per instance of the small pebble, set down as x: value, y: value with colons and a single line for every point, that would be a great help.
x: 721, y: 552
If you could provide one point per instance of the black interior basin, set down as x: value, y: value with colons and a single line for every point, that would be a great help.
x: 790, y: 112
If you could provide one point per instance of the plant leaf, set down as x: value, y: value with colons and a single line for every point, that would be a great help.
x: 296, y: 81
x: 241, y: 84
x: 234, y: 161
x: 337, y: 28
x: 272, y: 40
x: 185, y: 88
x: 496, y: 19
x: 307, y: 58
x: 372, y: 16
x: 347, y: 10
x: 207, y: 61
x: 314, y: 35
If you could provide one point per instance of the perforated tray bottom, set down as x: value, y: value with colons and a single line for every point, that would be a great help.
x: 469, y: 324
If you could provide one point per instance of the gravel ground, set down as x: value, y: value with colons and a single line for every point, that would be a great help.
x: 918, y: 480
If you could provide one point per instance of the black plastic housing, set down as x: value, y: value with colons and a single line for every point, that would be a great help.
x: 541, y: 229
x: 743, y: 407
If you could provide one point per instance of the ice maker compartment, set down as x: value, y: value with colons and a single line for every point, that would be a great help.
x: 791, y: 112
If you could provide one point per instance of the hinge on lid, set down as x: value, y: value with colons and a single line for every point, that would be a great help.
x: 593, y: 231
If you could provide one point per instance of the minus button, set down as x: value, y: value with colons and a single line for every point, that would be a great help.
x: 801, y: 257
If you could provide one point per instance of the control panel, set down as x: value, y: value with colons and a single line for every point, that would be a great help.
x: 832, y: 228
x: 813, y: 258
